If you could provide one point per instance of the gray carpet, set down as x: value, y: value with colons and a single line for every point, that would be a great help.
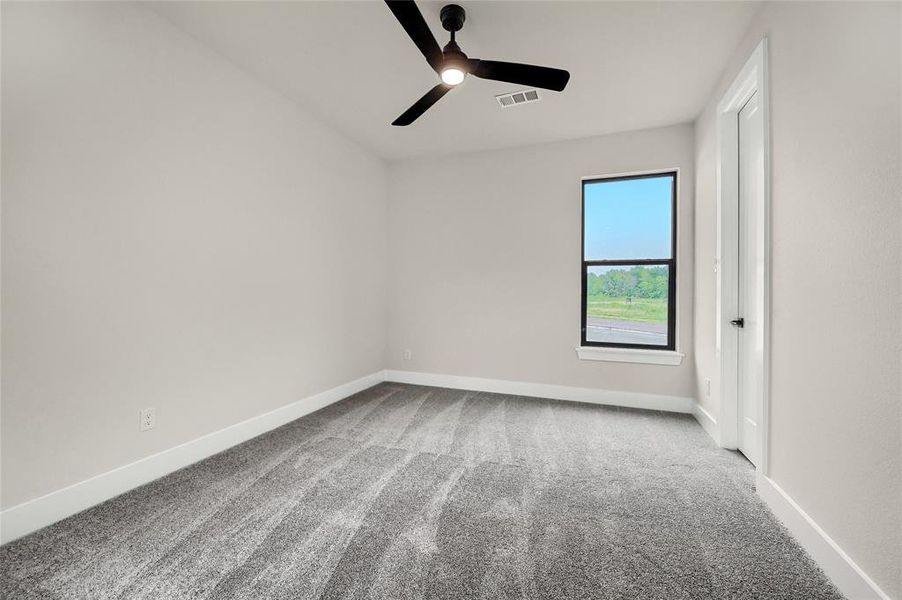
x: 412, y: 492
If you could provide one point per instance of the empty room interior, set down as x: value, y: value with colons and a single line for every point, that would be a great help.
x: 420, y: 300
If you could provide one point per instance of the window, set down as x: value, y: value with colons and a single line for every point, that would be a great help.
x: 629, y: 261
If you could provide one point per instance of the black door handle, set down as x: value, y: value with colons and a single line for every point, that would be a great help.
x: 740, y: 322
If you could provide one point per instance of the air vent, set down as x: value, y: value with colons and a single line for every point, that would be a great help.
x: 522, y: 97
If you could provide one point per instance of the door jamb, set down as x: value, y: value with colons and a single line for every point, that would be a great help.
x: 752, y: 78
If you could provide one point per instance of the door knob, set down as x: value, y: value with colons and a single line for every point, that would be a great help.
x: 740, y: 322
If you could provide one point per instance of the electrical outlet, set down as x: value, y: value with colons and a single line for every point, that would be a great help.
x: 408, y: 354
x: 148, y: 419
x: 708, y: 387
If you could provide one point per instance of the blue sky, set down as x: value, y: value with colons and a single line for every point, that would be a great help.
x: 628, y: 218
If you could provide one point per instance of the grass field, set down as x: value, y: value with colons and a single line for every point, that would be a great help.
x: 647, y: 310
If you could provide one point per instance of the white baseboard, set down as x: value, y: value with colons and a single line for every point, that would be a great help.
x: 545, y: 390
x: 842, y: 570
x: 707, y: 421
x: 32, y: 515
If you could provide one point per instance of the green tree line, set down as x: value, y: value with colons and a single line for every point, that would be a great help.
x: 634, y: 282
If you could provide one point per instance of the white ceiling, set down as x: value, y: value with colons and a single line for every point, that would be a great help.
x: 633, y: 65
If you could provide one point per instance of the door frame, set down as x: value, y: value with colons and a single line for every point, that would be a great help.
x: 751, y: 79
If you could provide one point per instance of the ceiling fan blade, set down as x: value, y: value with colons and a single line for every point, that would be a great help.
x: 422, y: 105
x: 542, y: 77
x: 414, y: 24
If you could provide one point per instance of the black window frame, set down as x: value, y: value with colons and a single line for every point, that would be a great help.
x: 671, y: 262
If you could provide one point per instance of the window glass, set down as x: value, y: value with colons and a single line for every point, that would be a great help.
x: 628, y: 218
x: 628, y: 265
x: 628, y: 305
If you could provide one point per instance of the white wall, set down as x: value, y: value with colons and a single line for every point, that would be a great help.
x: 484, y: 255
x: 836, y: 415
x: 174, y: 235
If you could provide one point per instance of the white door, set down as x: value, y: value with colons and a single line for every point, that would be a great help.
x: 751, y: 279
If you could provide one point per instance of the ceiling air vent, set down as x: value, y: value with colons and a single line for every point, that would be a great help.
x: 523, y: 97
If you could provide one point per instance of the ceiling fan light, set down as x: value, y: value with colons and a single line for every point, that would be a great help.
x: 452, y: 76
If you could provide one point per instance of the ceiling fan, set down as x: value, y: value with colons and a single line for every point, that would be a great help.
x: 453, y: 65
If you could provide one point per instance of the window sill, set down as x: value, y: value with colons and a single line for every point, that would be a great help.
x: 630, y: 355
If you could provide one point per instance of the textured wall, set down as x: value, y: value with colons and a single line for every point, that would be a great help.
x: 836, y: 123
x: 174, y: 235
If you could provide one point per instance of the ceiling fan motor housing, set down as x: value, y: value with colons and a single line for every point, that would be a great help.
x: 454, y: 55
x: 453, y: 17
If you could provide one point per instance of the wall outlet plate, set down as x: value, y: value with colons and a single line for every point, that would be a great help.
x: 408, y: 354
x: 148, y: 419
